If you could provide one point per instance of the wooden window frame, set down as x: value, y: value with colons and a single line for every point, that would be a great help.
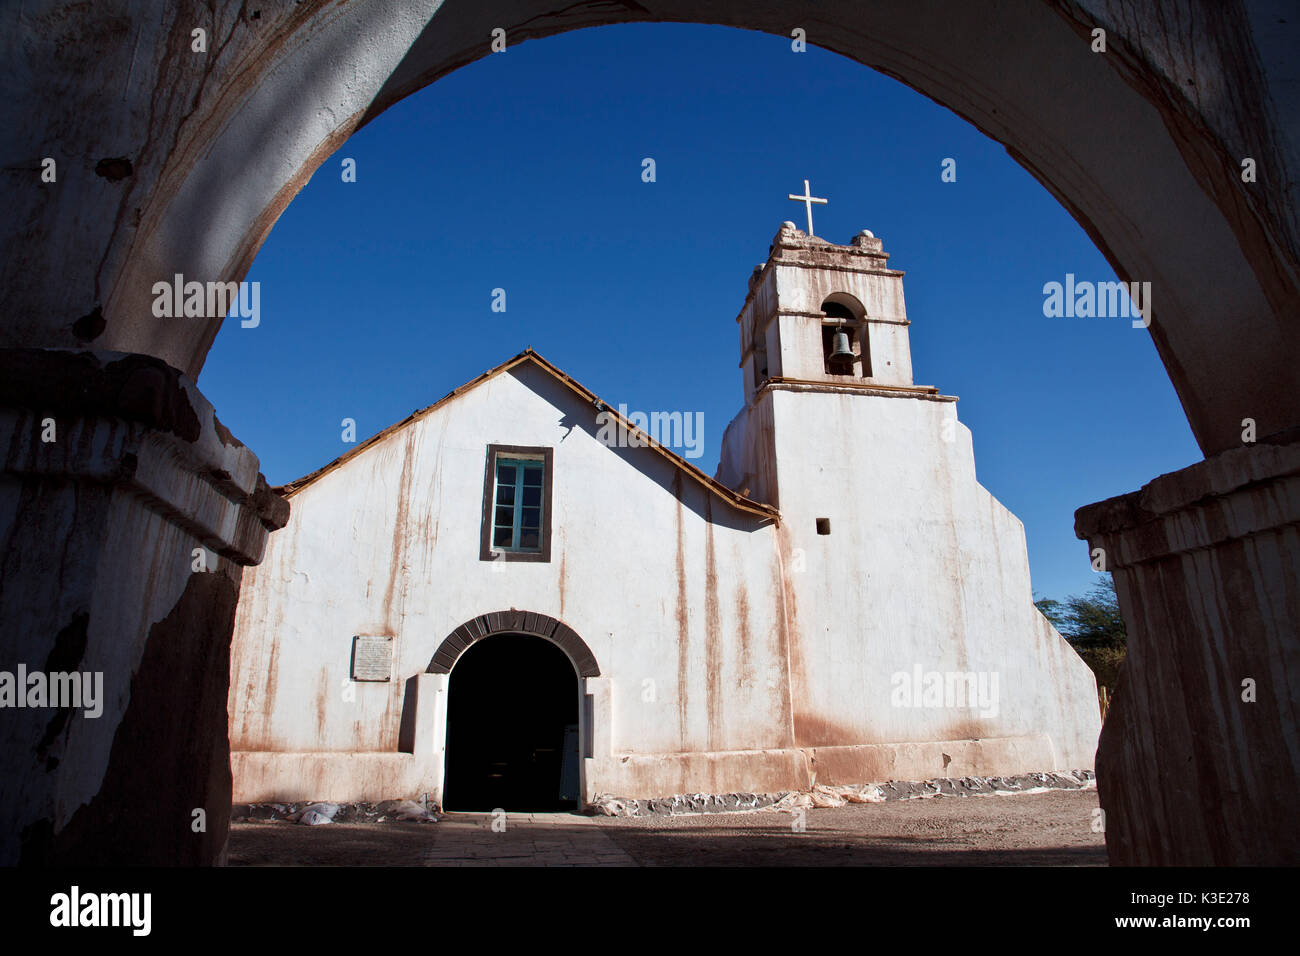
x: 547, y: 456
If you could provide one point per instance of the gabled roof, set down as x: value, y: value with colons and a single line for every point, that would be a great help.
x: 733, y: 498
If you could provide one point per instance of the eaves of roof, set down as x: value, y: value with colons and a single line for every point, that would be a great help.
x: 716, y: 487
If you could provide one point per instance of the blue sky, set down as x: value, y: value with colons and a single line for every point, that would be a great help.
x: 523, y: 171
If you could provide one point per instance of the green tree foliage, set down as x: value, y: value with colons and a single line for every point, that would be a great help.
x: 1092, y: 624
x: 1088, y: 621
x: 1054, y: 611
x: 1104, y: 662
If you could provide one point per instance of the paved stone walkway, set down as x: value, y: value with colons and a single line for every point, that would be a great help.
x: 528, y: 839
x: 1054, y: 828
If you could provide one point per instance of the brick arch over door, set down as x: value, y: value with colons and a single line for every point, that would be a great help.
x: 514, y: 622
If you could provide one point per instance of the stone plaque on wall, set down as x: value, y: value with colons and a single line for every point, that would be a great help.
x: 372, y: 657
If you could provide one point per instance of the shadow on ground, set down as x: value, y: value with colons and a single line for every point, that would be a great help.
x: 1046, y: 829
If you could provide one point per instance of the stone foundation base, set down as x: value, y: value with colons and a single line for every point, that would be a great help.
x: 268, y: 777
x: 265, y: 777
x: 696, y: 803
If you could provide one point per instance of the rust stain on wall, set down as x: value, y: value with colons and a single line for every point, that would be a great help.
x: 683, y: 617
x: 435, y: 498
x: 953, y: 557
x: 262, y: 734
x: 971, y: 728
x: 744, y: 673
x: 322, y: 700
x: 712, y: 633
x: 814, y: 731
x: 390, y: 725
x: 562, y: 577
x: 401, y: 532
x: 788, y: 611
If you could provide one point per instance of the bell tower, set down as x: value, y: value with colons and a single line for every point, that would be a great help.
x: 819, y: 312
x: 894, y: 560
x: 827, y: 369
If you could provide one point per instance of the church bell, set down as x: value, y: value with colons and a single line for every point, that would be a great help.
x: 842, y: 352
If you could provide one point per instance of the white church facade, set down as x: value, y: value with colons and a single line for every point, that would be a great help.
x: 503, y: 601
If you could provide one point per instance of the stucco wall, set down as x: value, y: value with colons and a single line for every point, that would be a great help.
x: 922, y: 567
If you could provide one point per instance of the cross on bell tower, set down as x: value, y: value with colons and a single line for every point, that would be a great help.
x: 808, y: 199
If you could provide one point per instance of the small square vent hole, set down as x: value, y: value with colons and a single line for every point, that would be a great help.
x: 823, y: 525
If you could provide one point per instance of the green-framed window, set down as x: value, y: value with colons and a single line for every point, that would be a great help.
x: 517, y: 504
x: 517, y: 491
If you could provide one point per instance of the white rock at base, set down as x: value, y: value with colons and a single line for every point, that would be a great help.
x: 315, y: 814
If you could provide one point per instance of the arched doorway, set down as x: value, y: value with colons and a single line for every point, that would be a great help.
x: 512, y: 727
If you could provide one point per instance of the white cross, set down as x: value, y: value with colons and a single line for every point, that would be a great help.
x: 808, y: 199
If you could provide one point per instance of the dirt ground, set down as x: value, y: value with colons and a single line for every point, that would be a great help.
x: 1053, y: 828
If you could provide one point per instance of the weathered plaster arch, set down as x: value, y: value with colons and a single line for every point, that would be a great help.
x: 1142, y: 144
x: 850, y: 302
x: 514, y: 622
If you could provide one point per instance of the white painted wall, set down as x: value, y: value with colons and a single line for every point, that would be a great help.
x: 389, y: 544
x: 922, y: 567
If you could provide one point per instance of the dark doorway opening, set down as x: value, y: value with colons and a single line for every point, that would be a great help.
x: 512, y: 727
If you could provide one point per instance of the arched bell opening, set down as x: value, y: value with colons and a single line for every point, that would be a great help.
x: 845, y: 346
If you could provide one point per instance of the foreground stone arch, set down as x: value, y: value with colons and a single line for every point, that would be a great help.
x: 172, y: 161
x: 1142, y: 144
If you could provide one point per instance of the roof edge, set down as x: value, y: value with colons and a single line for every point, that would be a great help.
x: 732, y: 497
